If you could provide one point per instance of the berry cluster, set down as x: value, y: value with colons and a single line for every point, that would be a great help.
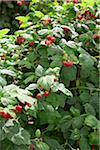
x: 50, y: 39
x: 87, y: 15
x: 16, y: 109
x: 45, y: 94
x: 5, y: 115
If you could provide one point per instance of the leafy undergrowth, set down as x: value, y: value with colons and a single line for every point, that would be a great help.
x: 49, y: 73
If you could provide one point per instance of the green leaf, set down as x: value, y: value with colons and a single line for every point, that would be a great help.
x: 42, y: 146
x: 75, y: 135
x: 62, y: 88
x: 39, y: 71
x: 23, y: 18
x: 68, y: 74
x: 75, y: 111
x: 56, y: 100
x: 46, y: 81
x: 43, y: 32
x: 89, y: 109
x: 3, y: 32
x: 3, y: 82
x: 85, y: 97
x: 94, y: 138
x: 84, y: 144
x: 29, y: 79
x: 27, y: 36
x: 39, y: 14
x: 22, y: 137
x: 77, y: 122
x: 86, y: 60
x: 7, y: 72
x: 65, y: 123
x: 54, y: 145
x: 2, y: 134
x: 25, y: 24
x: 55, y: 49
x: 91, y: 121
x: 32, y: 86
x: 56, y: 61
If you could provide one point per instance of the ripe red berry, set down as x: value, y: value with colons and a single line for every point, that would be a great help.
x: 68, y: 63
x: 96, y: 36
x: 39, y: 96
x: 31, y: 43
x: 66, y: 29
x: 19, y: 108
x: 49, y: 20
x: 53, y: 39
x: 49, y: 37
x: 1, y: 113
x: 80, y: 17
x: 28, y: 104
x: 94, y: 17
x: 19, y: 3
x: 7, y: 116
x: 46, y: 93
x: 75, y: 1
x: 47, y: 42
x: 20, y: 40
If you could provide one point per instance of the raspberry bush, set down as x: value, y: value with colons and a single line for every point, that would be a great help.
x: 49, y: 73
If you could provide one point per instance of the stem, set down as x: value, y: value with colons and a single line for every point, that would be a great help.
x: 68, y: 146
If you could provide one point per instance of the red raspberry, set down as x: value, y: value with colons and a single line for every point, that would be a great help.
x: 39, y: 96
x: 46, y: 93
x: 7, y: 116
x: 68, y: 63
x: 47, y: 42
x: 49, y: 37
x: 66, y: 29
x: 80, y: 17
x: 53, y: 39
x: 1, y: 113
x: 31, y: 43
x: 96, y: 36
x: 94, y: 17
x: 19, y: 108
x: 75, y: 1
x: 19, y: 3
x: 49, y: 20
x: 28, y: 104
x: 20, y: 40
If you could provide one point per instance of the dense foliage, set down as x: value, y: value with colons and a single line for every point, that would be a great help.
x: 9, y: 7
x: 49, y: 73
